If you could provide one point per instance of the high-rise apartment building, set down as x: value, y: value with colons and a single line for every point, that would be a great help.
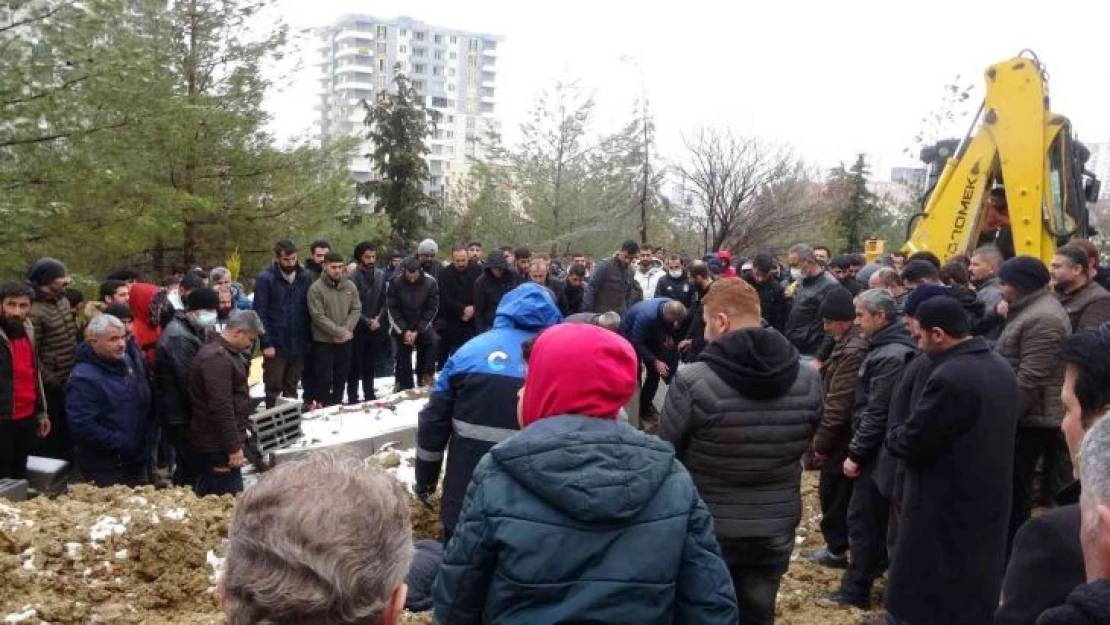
x: 455, y: 71
x: 1099, y: 165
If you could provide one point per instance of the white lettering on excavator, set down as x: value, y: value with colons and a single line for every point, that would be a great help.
x: 961, y: 215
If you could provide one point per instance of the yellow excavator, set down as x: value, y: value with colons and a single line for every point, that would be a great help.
x: 1016, y: 179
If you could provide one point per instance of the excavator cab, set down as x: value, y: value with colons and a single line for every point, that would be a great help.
x: 1018, y: 178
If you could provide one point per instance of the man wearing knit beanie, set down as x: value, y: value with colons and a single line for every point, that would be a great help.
x: 624, y: 533
x: 56, y: 341
x: 957, y: 447
x: 1036, y: 323
x: 426, y: 252
x: 839, y: 381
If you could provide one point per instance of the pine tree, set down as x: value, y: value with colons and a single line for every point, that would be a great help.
x: 856, y: 215
x: 399, y: 124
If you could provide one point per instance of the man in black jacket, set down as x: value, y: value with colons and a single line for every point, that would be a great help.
x: 496, y: 280
x: 611, y: 288
x: 413, y: 301
x: 701, y: 279
x: 841, y: 268
x: 173, y: 356
x: 745, y: 463
x: 456, y: 302
x: 772, y: 297
x: 804, y: 328
x: 574, y: 288
x: 370, y: 342
x: 958, y: 450
x: 1047, y: 559
x: 890, y: 350
x: 675, y: 284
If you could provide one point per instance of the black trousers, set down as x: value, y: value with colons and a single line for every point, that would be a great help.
x: 425, y: 348
x: 215, y: 477
x: 835, y: 492
x: 185, y: 471
x: 757, y: 566
x: 331, y: 363
x: 1030, y: 445
x: 367, y: 349
x: 280, y: 376
x: 868, y: 516
x: 455, y: 335
x: 651, y: 381
x: 16, y: 439
x: 58, y: 444
x: 132, y: 475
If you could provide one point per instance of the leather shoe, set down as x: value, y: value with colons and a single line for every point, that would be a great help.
x: 824, y: 557
x: 842, y: 598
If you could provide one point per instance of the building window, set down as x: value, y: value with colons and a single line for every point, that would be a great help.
x: 450, y: 87
x: 454, y: 40
x: 418, y: 85
x: 434, y: 181
x: 439, y: 102
x: 438, y: 38
x: 418, y: 52
x: 418, y: 35
x: 382, y: 31
x: 380, y: 48
x: 381, y: 65
x: 439, y: 55
x: 450, y: 72
x: 489, y: 45
x: 419, y: 68
x: 404, y: 32
x: 453, y: 56
x: 486, y: 107
x: 437, y: 70
x: 473, y: 44
x: 403, y: 50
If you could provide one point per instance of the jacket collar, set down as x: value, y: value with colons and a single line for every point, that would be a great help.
x: 1027, y: 300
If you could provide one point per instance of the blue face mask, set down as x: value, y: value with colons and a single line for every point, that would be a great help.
x: 206, y: 318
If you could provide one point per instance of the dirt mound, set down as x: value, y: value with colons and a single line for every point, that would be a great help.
x: 113, y: 555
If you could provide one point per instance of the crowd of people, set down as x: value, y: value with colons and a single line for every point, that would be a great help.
x: 927, y: 394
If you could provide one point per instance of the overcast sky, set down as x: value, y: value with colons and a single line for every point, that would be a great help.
x: 831, y: 78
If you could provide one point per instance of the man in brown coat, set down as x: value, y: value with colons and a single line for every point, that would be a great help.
x: 840, y: 379
x: 1086, y: 303
x: 56, y: 349
x: 1035, y: 326
x: 219, y: 396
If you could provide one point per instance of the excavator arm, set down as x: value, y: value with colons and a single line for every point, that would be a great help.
x: 1025, y: 149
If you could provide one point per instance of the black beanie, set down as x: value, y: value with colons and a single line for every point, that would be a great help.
x: 944, y: 313
x: 838, y: 305
x: 922, y: 294
x: 496, y: 260
x: 1027, y: 273
x: 45, y: 270
x: 204, y: 298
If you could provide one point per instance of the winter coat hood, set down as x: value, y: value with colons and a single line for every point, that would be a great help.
x: 759, y: 364
x: 578, y: 369
x: 1088, y: 604
x: 527, y: 307
x: 593, y: 470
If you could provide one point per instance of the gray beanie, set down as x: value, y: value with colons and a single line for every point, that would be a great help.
x: 427, y: 246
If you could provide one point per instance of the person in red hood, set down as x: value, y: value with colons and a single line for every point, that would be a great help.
x: 580, y: 516
x: 727, y: 270
x: 152, y: 310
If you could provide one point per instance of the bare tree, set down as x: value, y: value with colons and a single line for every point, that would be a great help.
x: 743, y: 188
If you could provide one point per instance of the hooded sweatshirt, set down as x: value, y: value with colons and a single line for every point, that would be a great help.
x: 581, y: 518
x: 740, y: 419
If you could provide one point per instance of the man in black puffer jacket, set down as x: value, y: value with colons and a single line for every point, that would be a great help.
x: 496, y: 280
x: 891, y: 349
x: 740, y: 419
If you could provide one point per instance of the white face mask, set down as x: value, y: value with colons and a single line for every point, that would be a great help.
x: 796, y: 273
x: 206, y: 318
x: 676, y: 274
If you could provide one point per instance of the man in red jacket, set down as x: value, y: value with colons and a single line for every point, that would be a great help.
x: 22, y: 406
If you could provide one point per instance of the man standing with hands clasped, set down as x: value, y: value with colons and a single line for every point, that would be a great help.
x: 335, y: 308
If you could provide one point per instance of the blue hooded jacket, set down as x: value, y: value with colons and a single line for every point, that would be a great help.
x: 107, y: 403
x: 473, y: 402
x: 583, y: 520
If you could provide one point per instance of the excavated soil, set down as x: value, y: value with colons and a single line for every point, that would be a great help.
x: 143, y: 556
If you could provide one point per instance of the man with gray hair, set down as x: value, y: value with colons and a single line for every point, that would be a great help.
x: 804, y: 327
x: 1090, y: 603
x: 219, y: 397
x: 339, y: 556
x: 220, y: 278
x: 107, y: 403
x: 890, y: 350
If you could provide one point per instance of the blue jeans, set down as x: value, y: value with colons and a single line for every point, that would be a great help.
x: 214, y: 477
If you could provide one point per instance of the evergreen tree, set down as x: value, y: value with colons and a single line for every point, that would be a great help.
x: 856, y: 212
x: 399, y: 124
